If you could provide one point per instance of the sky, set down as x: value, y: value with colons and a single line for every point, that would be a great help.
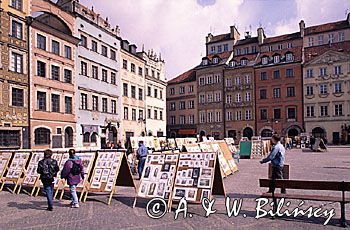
x: 177, y: 28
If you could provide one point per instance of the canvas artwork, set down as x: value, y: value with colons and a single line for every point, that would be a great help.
x: 4, y: 159
x: 18, y: 163
x: 31, y: 173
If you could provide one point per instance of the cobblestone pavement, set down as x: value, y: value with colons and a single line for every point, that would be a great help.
x: 25, y: 212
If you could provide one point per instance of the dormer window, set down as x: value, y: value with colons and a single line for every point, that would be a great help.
x: 216, y: 60
x: 232, y: 63
x: 289, y: 57
x: 276, y: 59
x: 265, y: 60
x: 205, y: 62
x: 244, y: 61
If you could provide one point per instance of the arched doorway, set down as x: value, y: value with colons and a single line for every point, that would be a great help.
x: 266, y: 133
x: 318, y: 132
x: 68, y: 137
x: 248, y: 132
x: 42, y: 136
x: 293, y: 132
x: 112, y: 134
x: 201, y: 135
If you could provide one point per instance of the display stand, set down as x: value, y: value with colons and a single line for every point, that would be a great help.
x: 224, y: 165
x: 111, y: 170
x: 158, y: 177
x: 228, y: 156
x: 16, y: 170
x: 198, y: 176
x: 5, y: 159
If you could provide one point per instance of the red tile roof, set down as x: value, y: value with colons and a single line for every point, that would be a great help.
x: 315, y: 51
x: 220, y: 37
x: 223, y: 55
x: 282, y: 38
x: 187, y: 76
x: 326, y: 27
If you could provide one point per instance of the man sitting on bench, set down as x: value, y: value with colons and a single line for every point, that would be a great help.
x: 277, y: 158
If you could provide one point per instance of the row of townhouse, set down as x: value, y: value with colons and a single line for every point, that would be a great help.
x: 289, y: 84
x: 68, y: 79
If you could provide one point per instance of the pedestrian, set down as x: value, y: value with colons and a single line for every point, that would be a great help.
x: 119, y: 145
x: 73, y: 172
x: 277, y: 157
x: 141, y: 156
x: 48, y: 169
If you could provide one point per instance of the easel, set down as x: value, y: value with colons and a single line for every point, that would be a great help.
x: 6, y: 168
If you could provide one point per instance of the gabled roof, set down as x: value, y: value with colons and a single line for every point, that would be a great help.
x: 326, y: 27
x: 220, y: 37
x: 329, y: 56
x: 282, y: 38
x: 187, y: 76
x: 247, y: 41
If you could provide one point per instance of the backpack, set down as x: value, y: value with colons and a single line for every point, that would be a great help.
x: 76, y: 169
x: 48, y: 169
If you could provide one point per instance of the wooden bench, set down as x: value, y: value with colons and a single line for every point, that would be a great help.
x: 311, y: 185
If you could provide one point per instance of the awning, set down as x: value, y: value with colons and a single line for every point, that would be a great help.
x: 90, y: 128
x: 187, y: 131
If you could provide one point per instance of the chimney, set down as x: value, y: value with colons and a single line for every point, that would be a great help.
x: 261, y: 35
x: 208, y: 38
x: 234, y: 34
x: 302, y: 28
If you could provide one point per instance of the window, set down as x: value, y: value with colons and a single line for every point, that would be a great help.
x: 323, y: 89
x: 238, y: 98
x: 277, y: 114
x: 155, y: 93
x: 247, y: 96
x: 337, y: 87
x: 133, y: 68
x: 219, y: 49
x: 104, y: 50
x: 104, y: 75
x: 310, y: 111
x: 125, y: 90
x: 94, y: 72
x: 83, y: 41
x: 238, y: 115
x: 17, y: 4
x: 113, y: 79
x: 289, y: 73
x: 323, y: 110
x: 172, y: 91
x: 16, y: 62
x: 42, y: 136
x: 40, y: 69
x: 10, y: 138
x: 190, y: 88
x: 133, y: 114
x: 55, y: 103
x: 68, y: 52
x: 41, y: 42
x: 225, y: 47
x: 263, y: 114
x: 114, y: 107
x: 210, y: 97
x: 217, y: 96
x: 309, y: 73
x: 244, y: 61
x: 94, y: 137
x: 160, y: 94
x: 140, y: 114
x: 55, y: 47
x: 67, y: 76
x: 237, y: 80
x: 263, y: 76
x: 309, y: 90
x: 228, y: 82
x: 217, y: 79
x: 341, y: 36
x: 238, y: 51
x: 94, y: 46
x: 125, y: 64
x: 201, y: 81
x: 104, y: 105
x: 55, y: 73
x: 337, y: 70
x: 279, y: 46
x: 311, y: 41
x: 247, y: 79
x: 265, y: 60
x: 338, y: 110
x: 155, y: 114
x: 248, y: 115
x: 182, y: 105
x: 202, y: 117
x: 147, y: 71
x: 126, y: 113
x: 41, y: 101
x: 133, y: 91
x: 320, y: 39
x: 210, y: 80
x: 149, y: 91
x: 246, y: 50
x: 323, y: 71
x: 210, y: 117
x: 191, y: 104
x: 290, y: 92
x: 86, y: 137
x: 94, y: 103
x: 201, y: 98
x: 263, y: 94
x: 172, y: 106
x: 218, y: 117
x: 182, y: 120
x: 140, y: 94
x: 68, y: 105
x: 160, y: 115
x: 83, y: 66
x: 212, y: 49
x: 289, y: 45
x: 83, y: 101
x: 215, y: 60
x: 291, y: 113
x: 229, y: 116
x: 228, y: 99
x: 113, y: 55
x: 276, y: 59
x: 17, y: 29
x: 191, y: 119
x: 172, y: 120
x: 140, y: 71
x: 253, y: 49
x: 330, y: 38
x: 182, y: 90
x: 276, y: 92
x: 152, y: 73
x: 276, y: 74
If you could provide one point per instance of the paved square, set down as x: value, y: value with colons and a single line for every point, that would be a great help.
x: 25, y: 212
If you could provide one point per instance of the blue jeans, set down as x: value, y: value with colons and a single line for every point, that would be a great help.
x: 48, y: 188
x: 141, y: 165
x: 73, y: 193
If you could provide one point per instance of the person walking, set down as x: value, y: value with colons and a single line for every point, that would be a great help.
x: 48, y: 169
x: 277, y: 158
x: 73, y: 172
x: 141, y: 156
